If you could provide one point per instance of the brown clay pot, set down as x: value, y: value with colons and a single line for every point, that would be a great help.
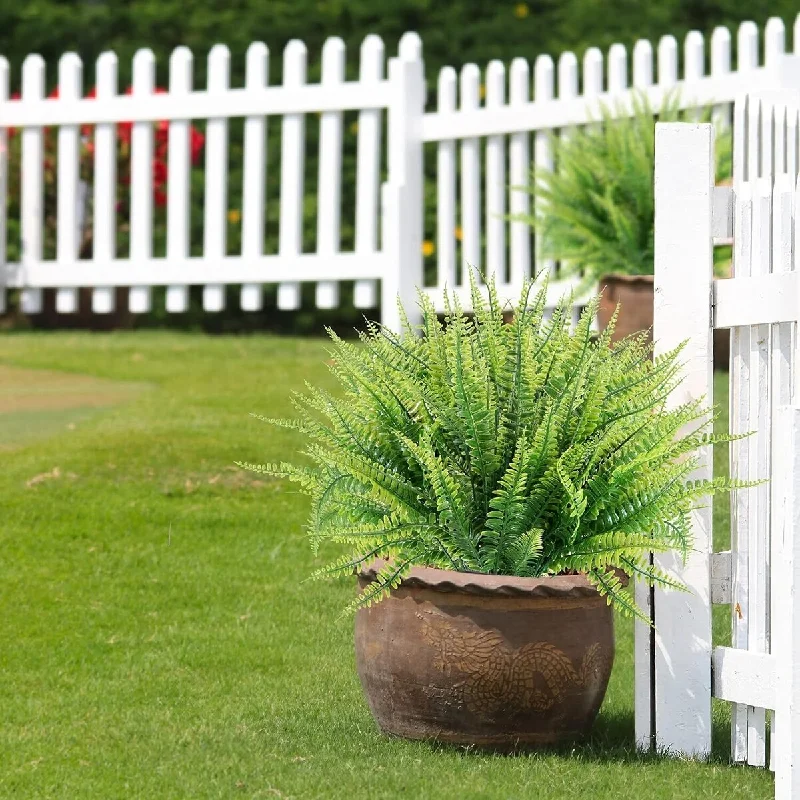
x: 491, y: 661
x: 635, y: 294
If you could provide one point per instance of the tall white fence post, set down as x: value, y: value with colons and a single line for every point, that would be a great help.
x: 679, y: 667
x: 402, y: 195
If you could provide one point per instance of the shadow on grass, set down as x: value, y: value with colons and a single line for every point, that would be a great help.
x: 610, y: 741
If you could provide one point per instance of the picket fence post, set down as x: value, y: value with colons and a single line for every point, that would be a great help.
x: 675, y: 661
x: 402, y: 199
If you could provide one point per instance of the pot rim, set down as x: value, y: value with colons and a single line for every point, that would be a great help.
x: 624, y: 277
x: 476, y: 583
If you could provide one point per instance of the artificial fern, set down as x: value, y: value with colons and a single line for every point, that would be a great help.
x: 595, y: 212
x: 520, y: 449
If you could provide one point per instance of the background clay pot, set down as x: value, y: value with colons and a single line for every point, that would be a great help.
x: 486, y: 660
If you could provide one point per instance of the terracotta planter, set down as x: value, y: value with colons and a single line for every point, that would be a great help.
x: 492, y: 661
x: 635, y: 294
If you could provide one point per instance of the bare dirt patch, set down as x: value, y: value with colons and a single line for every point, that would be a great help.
x: 44, y: 390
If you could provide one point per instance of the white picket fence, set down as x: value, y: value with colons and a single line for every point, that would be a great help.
x: 508, y: 134
x: 678, y: 670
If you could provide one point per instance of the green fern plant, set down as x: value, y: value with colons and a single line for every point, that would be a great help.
x: 515, y: 449
x: 595, y: 212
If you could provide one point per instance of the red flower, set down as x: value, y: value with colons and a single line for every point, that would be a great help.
x: 160, y: 198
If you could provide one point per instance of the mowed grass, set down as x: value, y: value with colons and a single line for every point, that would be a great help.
x: 156, y: 640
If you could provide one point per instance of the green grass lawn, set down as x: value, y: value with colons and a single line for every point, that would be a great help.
x: 155, y: 638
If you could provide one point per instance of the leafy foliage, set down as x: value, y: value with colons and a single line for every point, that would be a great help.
x: 518, y: 449
x: 595, y: 212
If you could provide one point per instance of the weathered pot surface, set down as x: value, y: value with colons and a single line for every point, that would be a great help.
x: 486, y: 660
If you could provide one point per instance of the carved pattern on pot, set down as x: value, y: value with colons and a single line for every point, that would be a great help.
x: 534, y: 677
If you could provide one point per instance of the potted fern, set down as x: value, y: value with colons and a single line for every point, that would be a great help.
x: 597, y: 208
x: 496, y: 484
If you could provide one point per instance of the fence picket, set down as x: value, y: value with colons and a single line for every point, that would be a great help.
x: 783, y: 336
x: 330, y: 171
x: 747, y: 47
x: 642, y: 64
x: 293, y: 147
x: 104, y: 208
x: 215, y: 220
x: 520, y: 174
x: 469, y: 86
x: 568, y: 90
x: 774, y: 40
x: 544, y: 86
x: 70, y: 77
x: 496, y: 179
x: 368, y: 166
x: 667, y: 62
x: 693, y: 62
x: 721, y: 66
x: 759, y: 445
x: 255, y: 173
x: 141, y: 241
x: 31, y: 202
x: 179, y: 178
x: 446, y: 175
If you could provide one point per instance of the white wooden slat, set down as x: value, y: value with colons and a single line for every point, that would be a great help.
x: 747, y: 47
x: 767, y: 140
x: 179, y: 179
x: 446, y: 170
x: 293, y: 146
x: 667, y: 62
x: 104, y: 207
x: 171, y: 271
x: 403, y: 194
x: 519, y: 158
x: 740, y: 422
x: 4, y: 94
x: 543, y: 92
x: 351, y: 96
x: 469, y: 86
x: 754, y: 142
x: 721, y: 587
x: 496, y: 179
x: 755, y: 301
x: 567, y: 90
x: 642, y: 64
x: 70, y: 79
x: 721, y: 65
x: 783, y: 336
x: 744, y: 677
x: 330, y: 171
x: 593, y: 82
x: 787, y: 572
x: 693, y: 62
x: 723, y: 212
x: 759, y: 444
x: 791, y: 141
x: 368, y: 167
x: 774, y: 41
x: 796, y: 272
x: 215, y: 207
x: 141, y: 240
x: 617, y: 68
x: 32, y: 191
x: 255, y: 173
x: 683, y: 279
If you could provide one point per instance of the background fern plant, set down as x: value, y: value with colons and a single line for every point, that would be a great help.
x: 518, y: 449
x: 595, y: 212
